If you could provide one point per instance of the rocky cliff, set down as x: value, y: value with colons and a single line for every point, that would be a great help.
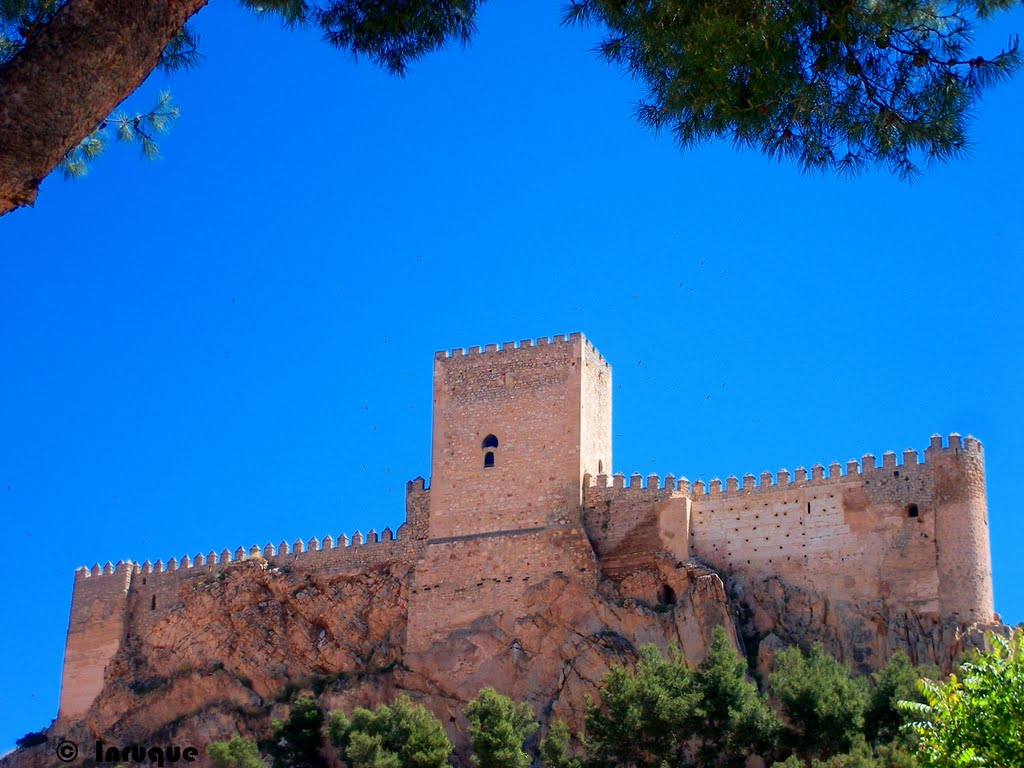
x: 239, y: 646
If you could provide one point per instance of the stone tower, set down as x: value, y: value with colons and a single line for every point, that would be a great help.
x: 515, y: 429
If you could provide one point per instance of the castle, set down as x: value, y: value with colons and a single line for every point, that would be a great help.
x: 522, y: 489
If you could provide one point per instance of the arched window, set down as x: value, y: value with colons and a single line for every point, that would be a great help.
x: 489, y: 444
x: 912, y: 510
x: 600, y: 467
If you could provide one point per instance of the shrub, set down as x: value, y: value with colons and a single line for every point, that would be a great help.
x: 31, y: 739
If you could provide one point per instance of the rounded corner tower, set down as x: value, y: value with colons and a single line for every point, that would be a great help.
x: 961, y: 530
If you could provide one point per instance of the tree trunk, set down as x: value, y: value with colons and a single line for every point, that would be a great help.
x: 70, y: 76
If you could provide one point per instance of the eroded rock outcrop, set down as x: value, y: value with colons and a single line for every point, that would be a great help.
x: 240, y: 646
x: 773, y: 614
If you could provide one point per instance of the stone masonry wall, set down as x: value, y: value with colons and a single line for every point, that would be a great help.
x: 629, y: 525
x: 417, y: 510
x: 497, y: 528
x: 460, y: 580
x: 530, y: 398
x: 962, y: 535
x: 867, y: 534
x: 153, y: 594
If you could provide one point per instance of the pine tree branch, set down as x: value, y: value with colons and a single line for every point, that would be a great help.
x: 70, y: 76
x: 43, y: 10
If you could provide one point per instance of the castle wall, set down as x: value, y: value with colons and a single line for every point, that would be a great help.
x: 628, y: 525
x: 159, y: 588
x: 417, y: 510
x: 108, y: 603
x: 873, y: 532
x: 912, y: 534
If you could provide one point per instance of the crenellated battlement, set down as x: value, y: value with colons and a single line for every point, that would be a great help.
x: 836, y: 472
x: 819, y: 474
x: 636, y: 482
x: 339, y: 546
x: 517, y: 346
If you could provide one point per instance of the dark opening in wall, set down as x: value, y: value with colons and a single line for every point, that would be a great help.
x: 912, y: 510
x: 600, y: 467
x: 666, y: 595
x: 490, y: 442
x: 152, y: 603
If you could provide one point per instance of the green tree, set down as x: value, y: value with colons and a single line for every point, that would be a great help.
x: 400, y: 735
x: 975, y: 718
x: 296, y: 742
x: 732, y: 719
x: 664, y: 713
x: 498, y: 728
x: 239, y: 752
x: 832, y: 84
x: 822, y: 704
x: 554, y: 748
x: 646, y: 715
x: 895, y: 682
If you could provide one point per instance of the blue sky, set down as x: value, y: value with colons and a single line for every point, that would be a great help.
x: 233, y: 344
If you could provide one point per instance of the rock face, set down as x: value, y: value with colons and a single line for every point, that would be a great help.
x: 268, y: 636
x: 774, y: 614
